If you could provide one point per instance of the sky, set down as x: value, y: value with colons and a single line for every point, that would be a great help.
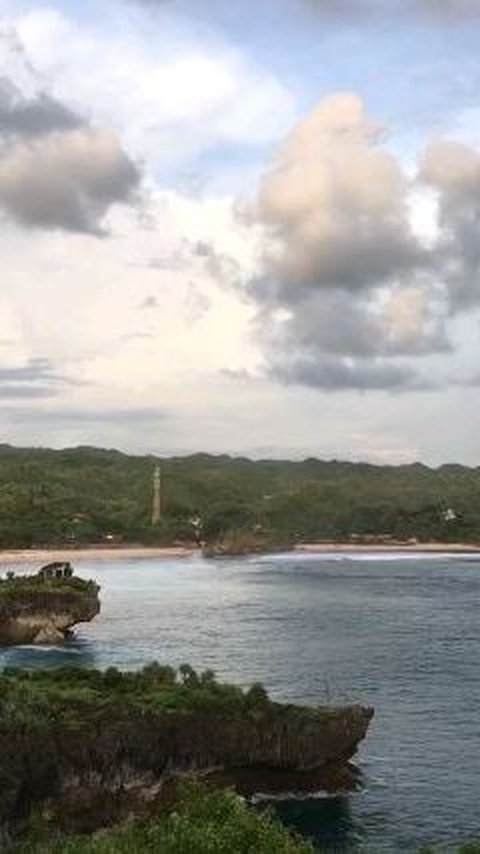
x: 248, y: 228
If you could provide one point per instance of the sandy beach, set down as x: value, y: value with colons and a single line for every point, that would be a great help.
x: 42, y: 556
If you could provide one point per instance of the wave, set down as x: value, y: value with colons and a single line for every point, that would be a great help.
x: 363, y: 556
x: 320, y: 795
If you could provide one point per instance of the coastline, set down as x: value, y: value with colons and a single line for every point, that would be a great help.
x: 95, y: 552
x: 388, y: 548
x: 46, y: 555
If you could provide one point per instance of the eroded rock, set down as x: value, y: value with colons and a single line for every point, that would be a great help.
x: 40, y: 610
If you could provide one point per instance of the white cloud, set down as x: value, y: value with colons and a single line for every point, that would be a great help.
x: 170, y: 98
x: 369, y: 265
x: 186, y: 374
x: 77, y: 303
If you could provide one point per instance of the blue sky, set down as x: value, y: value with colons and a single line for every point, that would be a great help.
x: 414, y: 71
x: 214, y: 213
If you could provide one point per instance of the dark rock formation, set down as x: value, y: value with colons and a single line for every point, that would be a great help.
x: 36, y: 610
x: 236, y: 543
x: 106, y: 763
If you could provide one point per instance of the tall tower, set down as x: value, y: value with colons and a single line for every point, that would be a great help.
x: 157, y: 496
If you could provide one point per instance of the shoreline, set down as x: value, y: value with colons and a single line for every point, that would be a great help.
x: 46, y: 555
x: 388, y: 548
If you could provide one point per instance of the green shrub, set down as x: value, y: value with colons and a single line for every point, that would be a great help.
x: 159, y: 674
x: 205, y: 821
x: 257, y: 696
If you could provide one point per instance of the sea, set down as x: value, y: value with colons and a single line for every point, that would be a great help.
x: 399, y: 632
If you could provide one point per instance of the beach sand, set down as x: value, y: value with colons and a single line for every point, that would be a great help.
x: 101, y: 553
x: 42, y: 556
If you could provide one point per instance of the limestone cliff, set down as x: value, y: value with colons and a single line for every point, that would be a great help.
x: 236, y: 543
x: 33, y: 610
x: 99, y: 756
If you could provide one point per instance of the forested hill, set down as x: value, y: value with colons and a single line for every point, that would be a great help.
x: 87, y: 495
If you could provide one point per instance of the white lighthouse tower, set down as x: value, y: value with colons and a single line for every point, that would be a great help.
x: 157, y: 496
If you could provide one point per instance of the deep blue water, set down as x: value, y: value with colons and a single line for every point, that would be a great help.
x: 399, y: 633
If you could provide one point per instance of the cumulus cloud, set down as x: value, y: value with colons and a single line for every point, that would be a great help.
x: 56, y: 170
x: 337, y: 202
x: 35, y: 116
x: 83, y: 173
x: 453, y: 171
x: 222, y: 268
x: 342, y: 374
x: 348, y: 294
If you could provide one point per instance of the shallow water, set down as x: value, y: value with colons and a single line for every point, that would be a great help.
x: 397, y: 632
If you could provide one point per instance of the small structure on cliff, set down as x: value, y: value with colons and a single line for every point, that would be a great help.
x: 57, y: 570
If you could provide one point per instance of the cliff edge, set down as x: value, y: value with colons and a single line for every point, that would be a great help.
x: 98, y: 747
x: 43, y: 609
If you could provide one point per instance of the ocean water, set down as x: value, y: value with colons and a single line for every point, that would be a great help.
x: 398, y: 632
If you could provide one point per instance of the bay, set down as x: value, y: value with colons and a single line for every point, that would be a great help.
x: 394, y: 631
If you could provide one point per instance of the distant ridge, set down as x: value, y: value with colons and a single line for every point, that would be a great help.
x: 205, y: 456
x: 83, y: 495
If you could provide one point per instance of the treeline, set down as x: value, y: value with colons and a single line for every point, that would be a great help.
x: 88, y: 495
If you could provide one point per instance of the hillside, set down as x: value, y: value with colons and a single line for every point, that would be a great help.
x: 85, y: 495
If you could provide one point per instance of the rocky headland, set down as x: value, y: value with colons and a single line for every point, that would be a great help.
x: 42, y: 609
x: 97, y: 747
x: 236, y: 543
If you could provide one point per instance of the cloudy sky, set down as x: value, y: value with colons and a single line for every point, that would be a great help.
x: 241, y: 227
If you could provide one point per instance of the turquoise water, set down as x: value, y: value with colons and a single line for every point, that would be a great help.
x: 400, y: 633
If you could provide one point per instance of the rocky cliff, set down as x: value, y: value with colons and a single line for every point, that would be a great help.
x: 33, y: 610
x: 102, y: 750
x: 236, y: 543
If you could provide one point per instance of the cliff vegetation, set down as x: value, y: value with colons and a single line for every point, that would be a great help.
x: 34, y: 609
x: 204, y: 821
x: 94, y: 748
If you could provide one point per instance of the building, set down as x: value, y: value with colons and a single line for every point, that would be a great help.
x: 56, y: 570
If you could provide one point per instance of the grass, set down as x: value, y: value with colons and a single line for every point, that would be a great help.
x: 21, y: 586
x: 79, y: 695
x: 205, y: 821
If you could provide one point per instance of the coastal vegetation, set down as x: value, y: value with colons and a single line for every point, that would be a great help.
x: 15, y: 586
x: 88, y: 749
x: 204, y: 821
x: 69, y: 695
x: 87, y: 495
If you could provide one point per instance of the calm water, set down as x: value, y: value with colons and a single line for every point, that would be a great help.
x: 398, y: 633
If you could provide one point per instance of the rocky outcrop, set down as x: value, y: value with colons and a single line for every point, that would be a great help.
x: 103, y: 766
x: 35, y: 611
x: 236, y: 543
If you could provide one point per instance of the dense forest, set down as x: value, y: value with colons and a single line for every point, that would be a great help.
x: 88, y: 495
